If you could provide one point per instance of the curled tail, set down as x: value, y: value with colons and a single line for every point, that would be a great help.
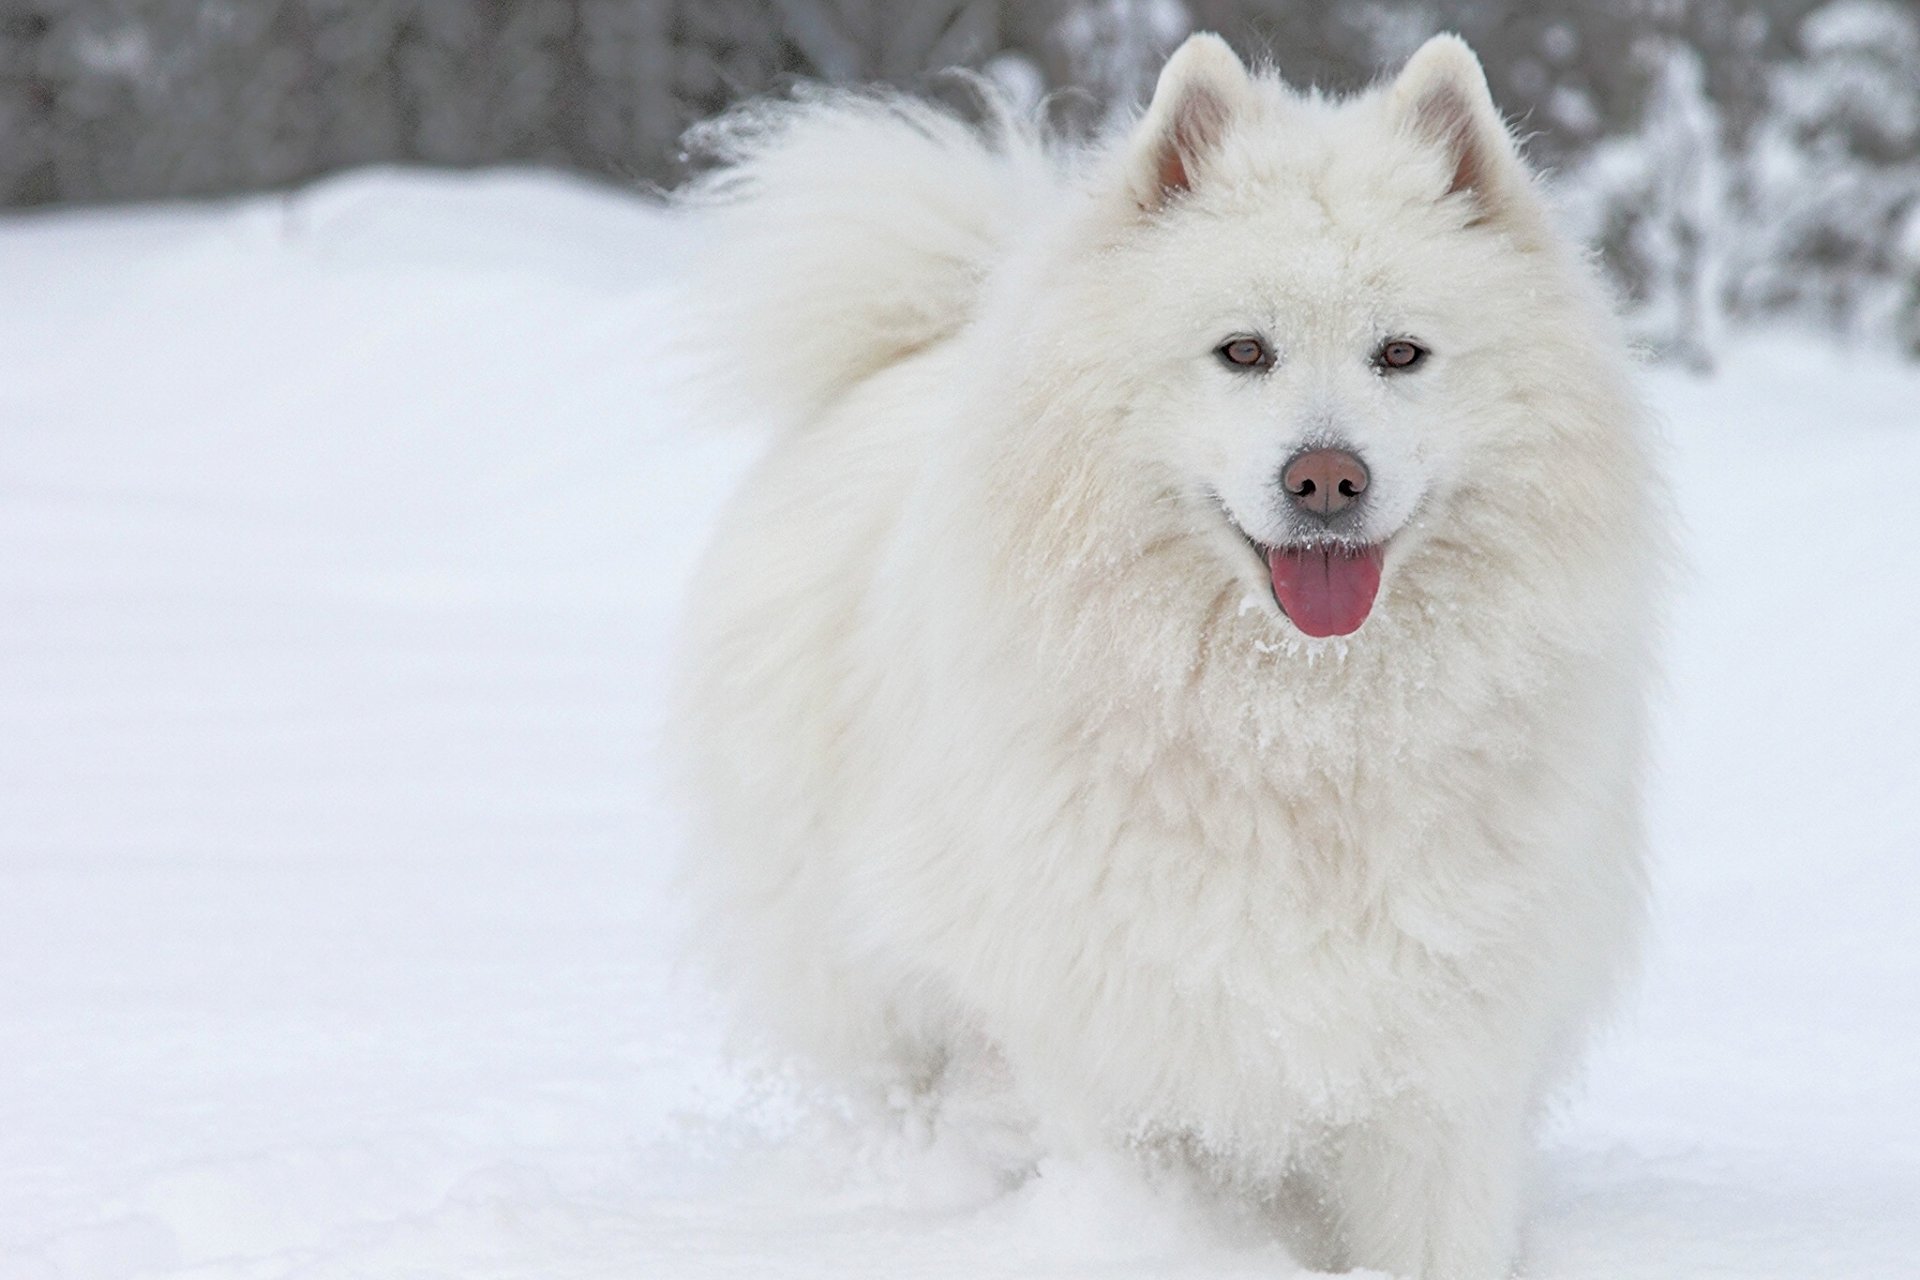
x: 842, y: 232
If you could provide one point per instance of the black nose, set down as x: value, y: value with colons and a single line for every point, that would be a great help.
x: 1324, y: 482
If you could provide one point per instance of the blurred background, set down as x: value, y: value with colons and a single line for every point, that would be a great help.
x: 1755, y: 161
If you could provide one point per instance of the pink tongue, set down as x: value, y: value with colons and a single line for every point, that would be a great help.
x: 1327, y: 591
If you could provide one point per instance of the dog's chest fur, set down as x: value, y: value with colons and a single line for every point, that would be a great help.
x: 1226, y: 928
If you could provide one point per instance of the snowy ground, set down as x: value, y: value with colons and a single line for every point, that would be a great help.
x: 339, y: 539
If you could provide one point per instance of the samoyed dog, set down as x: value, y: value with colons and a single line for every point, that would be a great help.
x: 1181, y: 666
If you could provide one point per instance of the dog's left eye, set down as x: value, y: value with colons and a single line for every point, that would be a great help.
x: 1244, y: 353
x: 1399, y: 355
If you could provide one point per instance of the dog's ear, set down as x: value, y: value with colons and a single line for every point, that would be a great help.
x: 1441, y: 96
x: 1201, y: 89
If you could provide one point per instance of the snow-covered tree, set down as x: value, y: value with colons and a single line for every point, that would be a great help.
x: 1656, y: 200
x: 1834, y: 181
x: 1113, y: 48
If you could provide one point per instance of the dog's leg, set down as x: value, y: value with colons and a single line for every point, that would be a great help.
x: 982, y: 1110
x: 1432, y: 1194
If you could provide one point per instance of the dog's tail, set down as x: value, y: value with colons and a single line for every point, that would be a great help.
x: 841, y: 232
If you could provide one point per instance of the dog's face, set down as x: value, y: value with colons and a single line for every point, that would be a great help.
x: 1330, y: 304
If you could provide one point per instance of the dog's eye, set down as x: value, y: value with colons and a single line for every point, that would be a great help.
x: 1399, y: 355
x: 1244, y: 353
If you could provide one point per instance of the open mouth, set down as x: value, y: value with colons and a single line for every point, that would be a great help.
x: 1327, y: 589
x: 1324, y: 588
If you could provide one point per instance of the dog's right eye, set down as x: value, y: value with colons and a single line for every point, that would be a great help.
x: 1244, y: 353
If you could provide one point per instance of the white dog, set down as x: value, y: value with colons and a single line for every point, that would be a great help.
x: 1183, y: 661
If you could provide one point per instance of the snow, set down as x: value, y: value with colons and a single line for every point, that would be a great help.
x: 339, y: 542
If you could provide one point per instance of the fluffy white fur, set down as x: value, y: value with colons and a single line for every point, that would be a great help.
x: 1008, y: 772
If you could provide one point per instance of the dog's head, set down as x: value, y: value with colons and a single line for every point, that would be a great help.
x: 1335, y: 313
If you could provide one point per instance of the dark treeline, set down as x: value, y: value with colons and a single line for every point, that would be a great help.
x: 1733, y: 158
